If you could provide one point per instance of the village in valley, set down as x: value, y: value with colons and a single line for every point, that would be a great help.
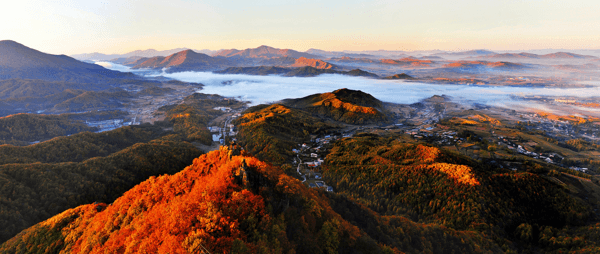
x: 310, y: 157
x: 501, y: 137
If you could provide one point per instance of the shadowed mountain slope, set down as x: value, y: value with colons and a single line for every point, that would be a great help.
x: 259, y: 70
x: 400, y: 76
x: 19, y: 61
x: 32, y: 127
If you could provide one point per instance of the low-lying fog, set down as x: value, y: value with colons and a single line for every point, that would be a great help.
x: 266, y: 89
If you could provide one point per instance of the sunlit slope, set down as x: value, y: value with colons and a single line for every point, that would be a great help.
x: 32, y: 192
x: 316, y: 63
x: 227, y: 203
x: 344, y: 105
x: 432, y: 185
x: 271, y: 132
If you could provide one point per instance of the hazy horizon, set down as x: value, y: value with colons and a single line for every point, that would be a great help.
x: 116, y: 27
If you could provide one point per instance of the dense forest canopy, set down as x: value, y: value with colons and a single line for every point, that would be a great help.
x: 41, y: 180
x: 226, y: 203
x: 26, y: 128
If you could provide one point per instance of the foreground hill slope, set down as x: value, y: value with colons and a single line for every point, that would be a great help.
x: 41, y: 180
x: 225, y: 203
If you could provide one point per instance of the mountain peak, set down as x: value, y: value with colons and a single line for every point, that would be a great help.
x: 344, y: 105
x: 10, y: 43
x: 316, y: 63
x: 187, y: 51
x: 184, y: 60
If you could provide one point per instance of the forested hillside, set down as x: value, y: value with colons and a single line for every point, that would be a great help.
x: 81, y: 146
x: 41, y: 180
x: 271, y: 132
x: 224, y: 203
x: 344, y: 105
x: 21, y: 129
x: 430, y: 185
x: 392, y: 194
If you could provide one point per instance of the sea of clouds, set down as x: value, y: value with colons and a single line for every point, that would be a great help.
x: 268, y: 89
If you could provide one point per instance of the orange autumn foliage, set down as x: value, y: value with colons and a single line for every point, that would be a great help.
x: 316, y: 63
x: 261, y: 116
x: 198, y: 208
x: 484, y: 118
x: 460, y: 173
x: 213, y: 205
x: 330, y: 100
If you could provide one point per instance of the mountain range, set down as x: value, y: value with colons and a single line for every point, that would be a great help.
x: 136, y: 53
x: 523, y: 55
x: 32, y: 81
x: 306, y: 71
x: 184, y: 61
x: 263, y: 52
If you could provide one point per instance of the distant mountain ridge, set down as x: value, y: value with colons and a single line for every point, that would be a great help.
x: 186, y: 60
x: 315, y: 63
x: 331, y: 54
x: 138, y: 53
x: 129, y: 61
x: 480, y: 52
x: 263, y: 52
x: 399, y: 76
x: 557, y: 55
x: 306, y: 71
x: 408, y: 61
x: 473, y: 64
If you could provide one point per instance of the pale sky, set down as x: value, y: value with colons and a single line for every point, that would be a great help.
x: 119, y: 26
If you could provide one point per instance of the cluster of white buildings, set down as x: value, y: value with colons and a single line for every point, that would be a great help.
x: 313, y: 156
